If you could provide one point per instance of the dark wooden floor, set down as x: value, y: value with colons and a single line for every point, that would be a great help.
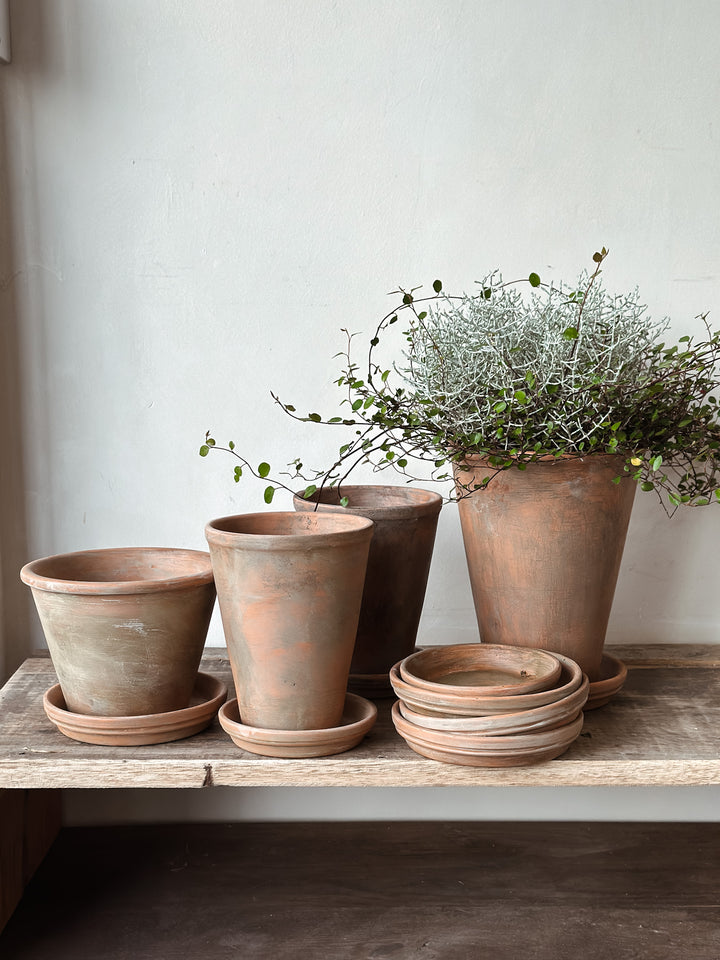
x: 456, y: 891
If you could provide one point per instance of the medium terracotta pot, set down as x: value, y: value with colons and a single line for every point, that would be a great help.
x: 405, y: 521
x: 543, y: 547
x: 125, y: 627
x: 289, y: 589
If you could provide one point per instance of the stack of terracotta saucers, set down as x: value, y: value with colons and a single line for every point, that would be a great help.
x: 488, y: 705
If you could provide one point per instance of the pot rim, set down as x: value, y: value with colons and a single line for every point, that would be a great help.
x: 32, y: 575
x: 404, y: 502
x: 547, y: 461
x: 303, y: 528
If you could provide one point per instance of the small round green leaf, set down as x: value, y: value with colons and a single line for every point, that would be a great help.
x: 204, y: 450
x: 263, y: 469
x: 437, y: 286
x: 534, y: 280
x: 269, y: 494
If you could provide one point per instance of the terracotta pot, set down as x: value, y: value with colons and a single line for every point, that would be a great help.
x: 289, y: 589
x: 401, y: 549
x: 125, y: 627
x: 543, y: 547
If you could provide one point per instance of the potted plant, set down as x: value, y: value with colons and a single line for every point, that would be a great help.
x: 562, y: 398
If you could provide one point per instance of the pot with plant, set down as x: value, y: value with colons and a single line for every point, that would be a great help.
x: 548, y: 405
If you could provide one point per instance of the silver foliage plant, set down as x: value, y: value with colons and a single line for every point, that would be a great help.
x: 517, y: 372
x: 534, y: 357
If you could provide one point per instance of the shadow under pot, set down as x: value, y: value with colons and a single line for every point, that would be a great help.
x: 125, y: 627
x: 289, y: 589
x: 405, y: 522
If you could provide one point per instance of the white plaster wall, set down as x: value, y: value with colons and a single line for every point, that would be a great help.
x: 204, y: 193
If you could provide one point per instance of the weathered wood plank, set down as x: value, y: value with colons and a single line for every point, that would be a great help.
x: 369, y: 891
x: 662, y: 729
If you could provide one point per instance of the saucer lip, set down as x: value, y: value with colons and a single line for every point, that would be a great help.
x: 518, y: 658
x: 504, y: 724
x: 602, y: 691
x: 481, y: 745
x: 211, y: 688
x: 619, y: 674
x: 571, y: 677
x: 496, y: 762
x: 368, y: 716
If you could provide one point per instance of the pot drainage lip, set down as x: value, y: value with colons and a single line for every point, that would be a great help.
x: 208, y: 695
x: 359, y: 717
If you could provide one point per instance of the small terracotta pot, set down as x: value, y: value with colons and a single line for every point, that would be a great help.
x: 401, y: 549
x: 289, y: 589
x: 543, y: 547
x: 125, y: 627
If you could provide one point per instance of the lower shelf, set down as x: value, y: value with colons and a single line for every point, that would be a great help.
x: 365, y: 891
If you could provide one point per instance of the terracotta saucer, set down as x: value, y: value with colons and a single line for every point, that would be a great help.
x: 445, y: 703
x: 208, y: 694
x: 613, y: 674
x: 484, y: 751
x: 487, y: 669
x: 358, y: 718
x: 464, y: 759
x: 502, y: 724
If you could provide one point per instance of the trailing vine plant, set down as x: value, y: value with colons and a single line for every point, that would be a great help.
x: 516, y: 372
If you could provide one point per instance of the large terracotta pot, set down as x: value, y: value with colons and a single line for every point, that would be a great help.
x: 544, y: 547
x: 289, y: 589
x: 125, y: 627
x: 405, y: 521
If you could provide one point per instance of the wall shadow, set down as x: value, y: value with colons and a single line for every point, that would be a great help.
x: 14, y: 612
x: 16, y: 609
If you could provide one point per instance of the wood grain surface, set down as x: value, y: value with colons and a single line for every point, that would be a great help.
x: 457, y: 891
x: 662, y: 729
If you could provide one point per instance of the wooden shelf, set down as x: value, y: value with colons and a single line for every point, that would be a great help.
x: 662, y: 729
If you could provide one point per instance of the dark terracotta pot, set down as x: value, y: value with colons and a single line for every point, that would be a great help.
x: 125, y: 627
x: 543, y: 547
x: 405, y: 521
x: 289, y: 589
